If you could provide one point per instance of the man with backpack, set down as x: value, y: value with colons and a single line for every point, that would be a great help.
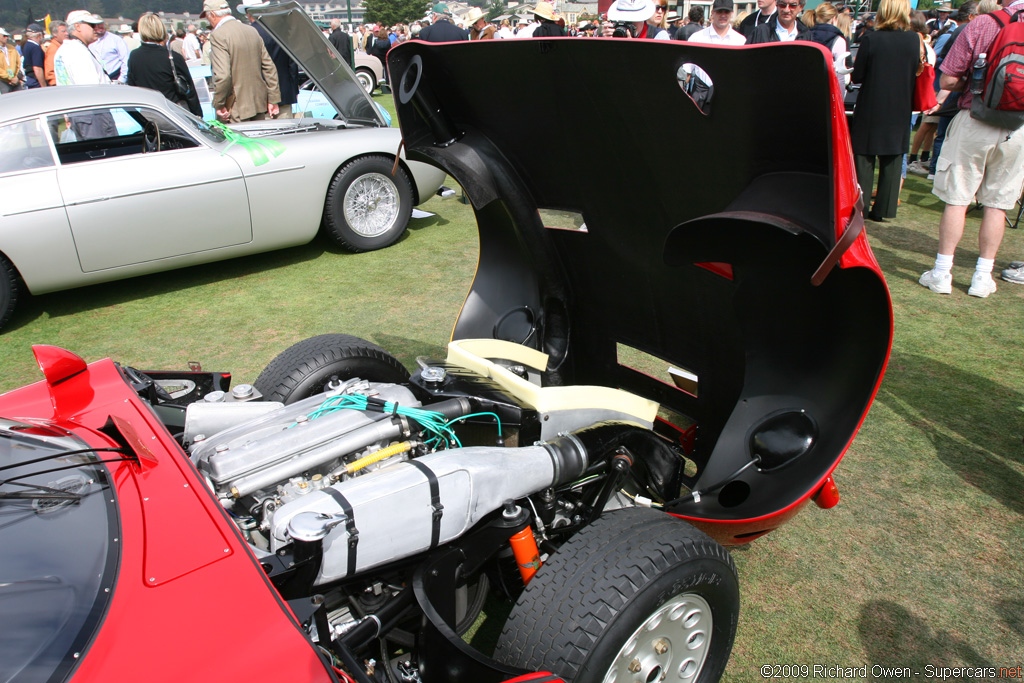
x: 948, y: 106
x: 983, y: 155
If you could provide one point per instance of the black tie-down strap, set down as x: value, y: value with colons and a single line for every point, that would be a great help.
x: 435, y: 501
x: 350, y: 526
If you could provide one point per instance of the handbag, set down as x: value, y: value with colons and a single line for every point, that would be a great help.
x: 924, y: 93
x: 181, y: 84
x: 924, y: 85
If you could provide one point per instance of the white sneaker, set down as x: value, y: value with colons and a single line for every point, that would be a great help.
x: 982, y: 285
x: 1014, y: 273
x: 917, y: 168
x: 931, y: 176
x: 940, y: 284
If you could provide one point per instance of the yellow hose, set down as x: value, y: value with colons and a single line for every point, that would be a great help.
x: 393, y: 449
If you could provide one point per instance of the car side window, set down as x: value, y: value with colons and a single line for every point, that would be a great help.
x: 23, y: 147
x: 110, y: 132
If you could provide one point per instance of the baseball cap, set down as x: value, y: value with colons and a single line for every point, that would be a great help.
x: 82, y: 16
x: 3, y: 32
x: 631, y: 10
x: 34, y: 28
x: 440, y: 8
x: 723, y: 5
x: 213, y: 6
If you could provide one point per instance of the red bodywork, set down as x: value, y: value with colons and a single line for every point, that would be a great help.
x: 848, y: 203
x: 725, y: 239
x: 190, y: 602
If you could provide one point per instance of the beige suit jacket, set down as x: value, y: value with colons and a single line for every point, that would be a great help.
x: 244, y: 76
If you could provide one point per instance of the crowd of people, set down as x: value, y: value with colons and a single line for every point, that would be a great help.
x: 967, y: 159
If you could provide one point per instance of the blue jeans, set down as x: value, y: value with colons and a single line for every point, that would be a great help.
x: 940, y: 137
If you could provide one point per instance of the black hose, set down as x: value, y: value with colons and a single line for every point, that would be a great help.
x: 714, y: 487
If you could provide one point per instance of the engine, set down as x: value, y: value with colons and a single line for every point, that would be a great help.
x: 365, y: 468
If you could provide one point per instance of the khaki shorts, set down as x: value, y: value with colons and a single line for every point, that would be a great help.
x: 979, y: 160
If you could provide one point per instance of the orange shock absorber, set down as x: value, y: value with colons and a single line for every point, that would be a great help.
x: 524, y: 547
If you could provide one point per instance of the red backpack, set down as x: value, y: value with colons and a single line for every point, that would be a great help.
x: 1002, y: 102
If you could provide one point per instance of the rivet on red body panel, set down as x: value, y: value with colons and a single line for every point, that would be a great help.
x: 828, y: 495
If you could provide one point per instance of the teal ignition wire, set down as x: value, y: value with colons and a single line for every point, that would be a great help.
x: 466, y: 417
x: 432, y: 421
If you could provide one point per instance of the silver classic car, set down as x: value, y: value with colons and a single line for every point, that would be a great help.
x: 107, y: 182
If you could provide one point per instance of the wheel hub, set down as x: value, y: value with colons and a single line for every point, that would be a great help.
x: 671, y: 645
x: 371, y: 204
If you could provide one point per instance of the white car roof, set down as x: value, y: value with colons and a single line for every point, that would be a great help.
x: 25, y: 103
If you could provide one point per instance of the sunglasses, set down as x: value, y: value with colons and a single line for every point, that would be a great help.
x: 660, y: 8
x: 784, y: 5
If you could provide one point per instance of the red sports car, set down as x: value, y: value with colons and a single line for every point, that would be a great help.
x: 674, y: 333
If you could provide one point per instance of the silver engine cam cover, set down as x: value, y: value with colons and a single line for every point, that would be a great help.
x: 269, y: 449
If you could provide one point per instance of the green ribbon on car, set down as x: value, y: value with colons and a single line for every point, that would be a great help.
x: 258, y: 149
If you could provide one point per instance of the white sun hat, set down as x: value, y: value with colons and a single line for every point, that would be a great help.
x: 631, y: 10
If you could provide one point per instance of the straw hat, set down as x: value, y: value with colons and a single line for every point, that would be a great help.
x: 544, y: 10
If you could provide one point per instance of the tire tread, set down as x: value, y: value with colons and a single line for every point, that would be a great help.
x: 10, y: 290
x: 293, y: 365
x: 556, y: 623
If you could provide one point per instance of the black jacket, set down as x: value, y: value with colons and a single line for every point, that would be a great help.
x: 754, y: 20
x: 379, y: 49
x: 548, y: 29
x: 148, y: 67
x: 886, y: 68
x: 825, y: 34
x: 342, y: 43
x: 442, y: 31
x: 685, y: 32
x: 287, y: 70
x: 765, y: 33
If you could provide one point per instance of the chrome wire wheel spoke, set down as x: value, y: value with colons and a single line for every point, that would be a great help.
x: 371, y: 204
x: 671, y: 645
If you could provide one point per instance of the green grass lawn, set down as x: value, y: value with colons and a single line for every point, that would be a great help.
x: 921, y: 562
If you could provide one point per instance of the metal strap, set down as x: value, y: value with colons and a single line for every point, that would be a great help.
x: 350, y: 526
x: 435, y: 501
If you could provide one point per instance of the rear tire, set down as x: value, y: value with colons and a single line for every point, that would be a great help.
x: 367, y: 207
x: 10, y: 289
x: 305, y: 368
x: 637, y: 595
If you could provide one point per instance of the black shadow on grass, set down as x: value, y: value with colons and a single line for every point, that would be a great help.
x: 893, y: 637
x: 918, y: 192
x: 331, y: 247
x: 406, y: 350
x: 428, y: 221
x: 976, y: 443
x: 72, y: 301
x: 1012, y: 612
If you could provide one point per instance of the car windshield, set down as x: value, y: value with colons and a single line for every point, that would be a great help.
x: 210, y: 132
x: 58, y: 523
